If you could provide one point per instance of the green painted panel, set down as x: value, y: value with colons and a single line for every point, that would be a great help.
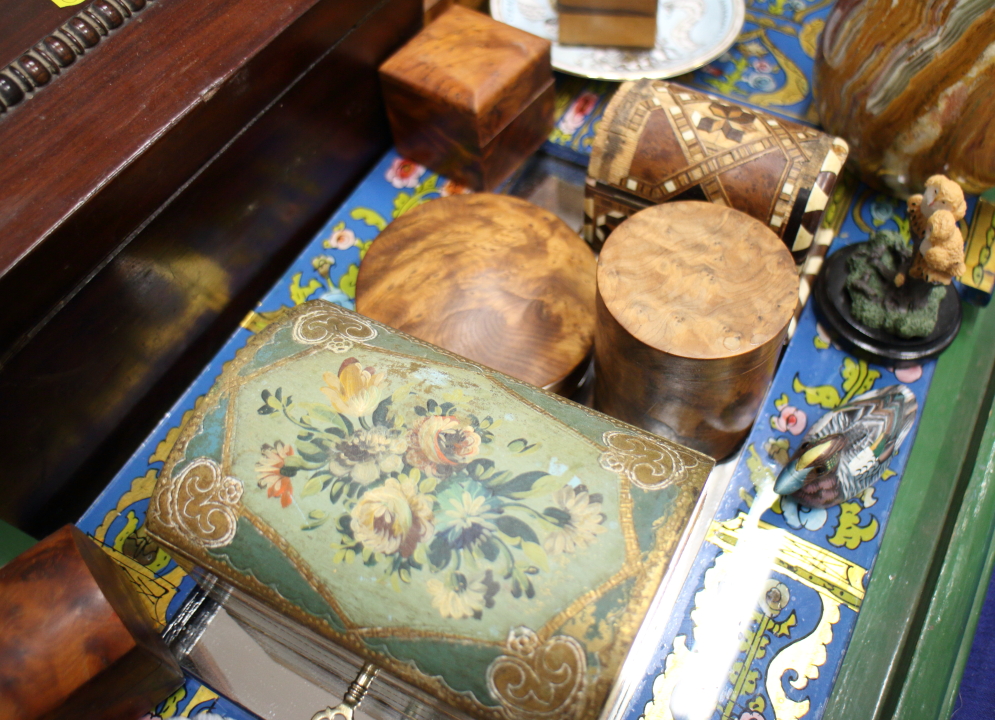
x: 940, y: 466
x: 435, y: 658
x: 254, y: 555
x: 12, y: 542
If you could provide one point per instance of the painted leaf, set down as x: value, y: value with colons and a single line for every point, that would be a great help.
x: 783, y: 629
x: 760, y: 474
x: 519, y: 485
x: 849, y: 532
x: 858, y: 378
x: 535, y: 553
x: 301, y: 294
x: 347, y: 283
x: 825, y: 396
x: 370, y: 217
x: 513, y: 527
x: 312, y: 487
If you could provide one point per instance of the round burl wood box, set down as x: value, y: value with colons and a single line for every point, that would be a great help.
x: 694, y: 301
x: 492, y: 278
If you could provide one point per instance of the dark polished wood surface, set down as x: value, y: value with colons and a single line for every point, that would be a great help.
x: 75, y: 641
x: 91, y: 156
x: 92, y: 382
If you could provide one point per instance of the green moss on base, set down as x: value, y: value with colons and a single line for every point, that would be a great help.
x: 909, y: 311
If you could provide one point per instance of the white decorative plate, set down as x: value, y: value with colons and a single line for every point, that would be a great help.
x: 690, y: 33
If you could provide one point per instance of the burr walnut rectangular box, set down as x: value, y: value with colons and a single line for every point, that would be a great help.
x: 470, y: 97
x: 355, y: 492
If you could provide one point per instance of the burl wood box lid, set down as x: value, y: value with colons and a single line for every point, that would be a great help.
x: 490, y: 543
x: 475, y: 74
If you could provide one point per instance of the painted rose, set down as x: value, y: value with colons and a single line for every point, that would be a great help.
x: 458, y: 597
x: 763, y: 66
x: 762, y: 82
x: 341, y: 239
x: 366, y: 455
x: 791, y: 420
x: 404, y: 173
x: 440, y: 443
x: 579, y: 517
x: 270, y: 472
x: 882, y: 210
x: 450, y: 187
x: 355, y: 390
x: 751, y: 716
x: 577, y: 113
x: 909, y: 374
x: 393, y: 518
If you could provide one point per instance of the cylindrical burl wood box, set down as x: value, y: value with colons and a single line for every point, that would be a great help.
x: 694, y: 301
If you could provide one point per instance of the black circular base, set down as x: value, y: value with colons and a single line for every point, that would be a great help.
x: 832, y: 304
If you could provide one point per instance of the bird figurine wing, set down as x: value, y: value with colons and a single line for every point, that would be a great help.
x: 849, y: 448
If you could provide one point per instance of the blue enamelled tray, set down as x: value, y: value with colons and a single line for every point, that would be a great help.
x: 813, y: 577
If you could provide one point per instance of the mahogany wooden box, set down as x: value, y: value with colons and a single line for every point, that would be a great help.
x: 470, y: 97
x: 160, y: 165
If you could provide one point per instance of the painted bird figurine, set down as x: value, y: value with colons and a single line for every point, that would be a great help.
x: 849, y: 448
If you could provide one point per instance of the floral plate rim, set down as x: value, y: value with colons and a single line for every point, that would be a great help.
x: 614, y: 73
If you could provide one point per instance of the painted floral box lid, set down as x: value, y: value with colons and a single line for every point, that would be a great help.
x: 493, y: 544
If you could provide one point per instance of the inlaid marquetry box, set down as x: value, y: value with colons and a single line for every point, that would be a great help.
x: 660, y: 141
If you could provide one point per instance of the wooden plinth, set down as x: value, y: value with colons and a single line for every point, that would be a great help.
x: 75, y: 641
x: 694, y: 300
x: 490, y: 277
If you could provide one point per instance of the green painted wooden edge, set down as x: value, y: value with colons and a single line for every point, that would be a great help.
x: 12, y: 542
x: 933, y: 680
x: 915, y: 542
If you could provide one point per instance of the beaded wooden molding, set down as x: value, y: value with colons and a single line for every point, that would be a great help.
x: 39, y: 65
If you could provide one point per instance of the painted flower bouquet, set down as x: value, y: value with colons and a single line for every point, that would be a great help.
x: 413, y: 490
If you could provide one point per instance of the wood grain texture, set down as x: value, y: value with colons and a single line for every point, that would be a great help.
x: 59, y: 48
x: 660, y: 141
x: 470, y: 97
x: 88, y: 160
x: 490, y: 277
x: 74, y: 640
x: 102, y: 372
x: 694, y: 301
x: 915, y: 100
x: 598, y: 27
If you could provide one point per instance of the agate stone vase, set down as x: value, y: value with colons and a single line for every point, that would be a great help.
x: 911, y: 87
